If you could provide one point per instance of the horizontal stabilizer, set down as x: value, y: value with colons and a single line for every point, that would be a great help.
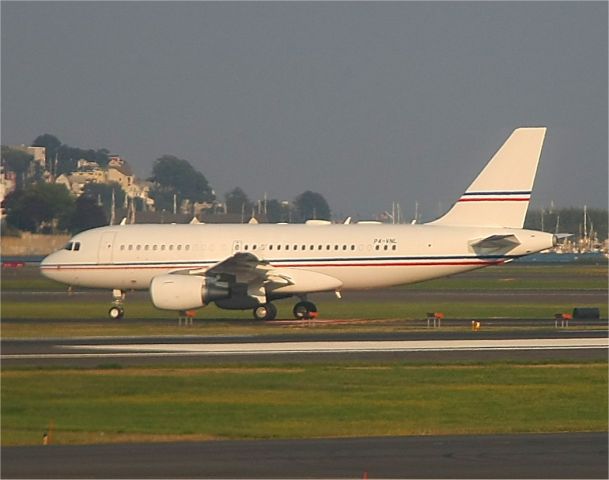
x: 497, y: 242
x: 561, y: 236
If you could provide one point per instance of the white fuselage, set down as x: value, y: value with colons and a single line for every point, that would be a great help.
x: 361, y: 256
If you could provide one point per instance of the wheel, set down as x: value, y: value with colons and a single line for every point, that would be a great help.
x: 116, y: 313
x: 305, y: 310
x: 267, y: 311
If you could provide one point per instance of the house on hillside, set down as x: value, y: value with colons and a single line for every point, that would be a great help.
x: 123, y: 175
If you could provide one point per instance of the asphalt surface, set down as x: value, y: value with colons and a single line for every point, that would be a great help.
x: 87, y: 352
x: 579, y: 455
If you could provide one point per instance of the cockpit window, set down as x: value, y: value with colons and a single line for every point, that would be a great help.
x: 72, y: 246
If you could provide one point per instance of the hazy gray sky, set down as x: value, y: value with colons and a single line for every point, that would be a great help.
x: 366, y: 103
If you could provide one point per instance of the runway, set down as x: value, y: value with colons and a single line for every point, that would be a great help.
x: 427, y: 346
x: 576, y: 455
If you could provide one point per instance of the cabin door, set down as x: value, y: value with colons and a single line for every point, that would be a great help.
x: 106, y: 245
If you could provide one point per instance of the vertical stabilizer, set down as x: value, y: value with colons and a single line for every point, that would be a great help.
x: 500, y: 194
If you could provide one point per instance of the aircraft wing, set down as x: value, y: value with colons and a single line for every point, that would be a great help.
x: 243, y: 267
x: 258, y: 274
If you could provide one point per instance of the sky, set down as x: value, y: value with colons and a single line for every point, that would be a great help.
x: 367, y: 103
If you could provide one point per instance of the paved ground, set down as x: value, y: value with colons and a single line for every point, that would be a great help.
x: 432, y: 345
x: 578, y: 455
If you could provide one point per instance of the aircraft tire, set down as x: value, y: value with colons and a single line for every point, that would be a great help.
x: 266, y: 311
x: 116, y: 313
x: 304, y: 310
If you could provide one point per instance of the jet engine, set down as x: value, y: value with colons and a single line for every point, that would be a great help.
x: 183, y: 292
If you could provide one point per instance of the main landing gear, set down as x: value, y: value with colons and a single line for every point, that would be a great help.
x: 117, y: 311
x: 266, y: 311
x: 302, y: 311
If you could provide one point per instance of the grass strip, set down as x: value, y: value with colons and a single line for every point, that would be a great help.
x: 300, y: 401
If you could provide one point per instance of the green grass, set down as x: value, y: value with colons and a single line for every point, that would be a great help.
x: 83, y: 317
x: 94, y: 309
x: 304, y: 401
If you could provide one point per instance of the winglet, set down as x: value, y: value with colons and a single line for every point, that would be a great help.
x: 500, y: 194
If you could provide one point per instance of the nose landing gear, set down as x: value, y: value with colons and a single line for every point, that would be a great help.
x: 117, y: 311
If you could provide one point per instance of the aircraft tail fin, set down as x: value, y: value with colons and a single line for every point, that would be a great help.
x: 500, y: 194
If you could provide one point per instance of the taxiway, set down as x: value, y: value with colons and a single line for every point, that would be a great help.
x: 575, y: 455
x: 434, y: 345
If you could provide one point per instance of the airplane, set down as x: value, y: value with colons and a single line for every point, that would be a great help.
x: 250, y: 266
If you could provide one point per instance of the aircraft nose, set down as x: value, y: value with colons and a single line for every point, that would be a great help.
x: 49, y: 266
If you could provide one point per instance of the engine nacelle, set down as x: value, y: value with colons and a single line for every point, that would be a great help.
x: 183, y: 292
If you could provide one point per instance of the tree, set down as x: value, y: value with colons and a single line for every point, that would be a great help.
x: 51, y: 144
x: 38, y: 208
x: 237, y: 202
x: 24, y: 210
x: 174, y: 176
x: 311, y: 205
x: 87, y: 214
x: 103, y: 191
x: 277, y: 211
x: 67, y: 159
x: 17, y: 161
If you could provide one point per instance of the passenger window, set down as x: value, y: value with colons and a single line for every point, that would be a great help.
x: 146, y: 247
x: 376, y: 247
x: 163, y: 247
x: 130, y: 247
x: 138, y: 247
x: 179, y: 247
x: 270, y: 247
x: 154, y: 247
x: 344, y: 247
x: 246, y: 247
x: 186, y: 247
x: 171, y: 247
x: 393, y: 247
x: 319, y: 247
x: 327, y: 247
x: 278, y: 247
x: 385, y: 247
x: 122, y: 247
x: 352, y: 247
x: 304, y: 247
x: 254, y: 247
x: 335, y: 247
x: 287, y: 247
